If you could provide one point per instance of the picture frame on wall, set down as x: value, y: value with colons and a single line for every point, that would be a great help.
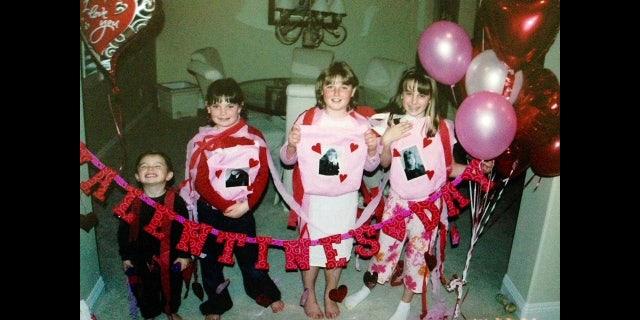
x: 301, y: 6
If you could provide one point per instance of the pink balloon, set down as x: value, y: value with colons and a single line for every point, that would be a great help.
x: 485, y: 124
x: 487, y: 73
x: 445, y: 51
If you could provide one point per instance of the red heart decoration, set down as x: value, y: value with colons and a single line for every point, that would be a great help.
x: 396, y: 153
x: 430, y: 260
x: 253, y: 162
x: 430, y: 174
x: 343, y: 176
x: 426, y: 142
x: 218, y: 173
x: 370, y: 279
x: 520, y: 31
x: 353, y: 147
x: 338, y: 295
x: 317, y: 148
x: 88, y: 221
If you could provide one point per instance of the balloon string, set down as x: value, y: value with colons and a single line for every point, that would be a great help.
x: 453, y: 94
x: 117, y: 121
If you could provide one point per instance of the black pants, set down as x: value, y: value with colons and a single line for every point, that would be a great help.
x: 257, y: 283
x: 150, y: 295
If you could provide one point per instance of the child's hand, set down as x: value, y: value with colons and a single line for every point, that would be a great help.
x: 294, y: 139
x: 126, y: 264
x: 371, y: 140
x: 395, y: 132
x: 294, y: 135
x: 487, y: 166
x: 237, y: 209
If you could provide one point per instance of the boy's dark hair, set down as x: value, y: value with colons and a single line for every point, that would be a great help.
x: 167, y: 160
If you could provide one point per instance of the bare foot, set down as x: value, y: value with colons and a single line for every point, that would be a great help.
x: 277, y: 306
x: 312, y: 309
x: 331, y: 308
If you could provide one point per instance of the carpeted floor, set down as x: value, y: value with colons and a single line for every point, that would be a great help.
x: 485, y: 269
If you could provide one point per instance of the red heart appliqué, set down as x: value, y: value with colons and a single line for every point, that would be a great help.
x: 338, y: 295
x: 253, y: 162
x: 396, y: 153
x: 218, y: 173
x: 343, y: 176
x: 426, y: 142
x: 430, y: 174
x: 353, y: 147
x: 317, y: 148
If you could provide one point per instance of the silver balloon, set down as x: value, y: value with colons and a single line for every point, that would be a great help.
x: 487, y: 73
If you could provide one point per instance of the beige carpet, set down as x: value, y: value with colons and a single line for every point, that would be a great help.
x: 486, y: 268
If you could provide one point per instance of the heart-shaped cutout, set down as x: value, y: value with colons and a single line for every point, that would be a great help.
x: 430, y: 174
x: 426, y: 142
x: 338, y: 294
x: 353, y: 147
x: 370, y: 279
x: 431, y: 260
x: 343, y: 176
x: 396, y: 153
x: 317, y: 148
x: 218, y: 173
x: 253, y: 162
x: 88, y: 221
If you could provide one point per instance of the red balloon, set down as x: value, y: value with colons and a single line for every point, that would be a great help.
x: 545, y: 158
x: 513, y: 161
x: 538, y: 107
x: 107, y: 26
x: 521, y: 31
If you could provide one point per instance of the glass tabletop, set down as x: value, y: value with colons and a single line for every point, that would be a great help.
x: 266, y: 95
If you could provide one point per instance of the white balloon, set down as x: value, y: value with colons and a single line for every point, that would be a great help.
x: 487, y: 73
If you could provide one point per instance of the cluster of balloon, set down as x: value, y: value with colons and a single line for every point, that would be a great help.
x: 538, y: 111
x: 107, y: 27
x: 509, y: 66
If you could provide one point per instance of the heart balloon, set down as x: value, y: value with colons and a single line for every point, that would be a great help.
x: 521, y: 31
x: 538, y: 107
x: 107, y: 26
x: 513, y: 161
x: 545, y: 158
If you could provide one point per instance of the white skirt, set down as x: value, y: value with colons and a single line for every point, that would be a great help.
x: 333, y: 214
